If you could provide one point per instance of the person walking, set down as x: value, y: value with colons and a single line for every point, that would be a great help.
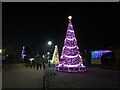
x: 33, y: 64
x: 37, y: 62
x: 40, y: 65
x: 43, y: 65
x: 37, y: 66
x: 30, y: 64
x: 26, y: 61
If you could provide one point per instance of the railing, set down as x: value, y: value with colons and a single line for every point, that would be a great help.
x: 48, y: 79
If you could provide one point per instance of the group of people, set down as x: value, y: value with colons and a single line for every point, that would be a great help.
x: 36, y: 64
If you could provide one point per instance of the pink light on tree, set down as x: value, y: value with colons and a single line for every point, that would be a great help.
x: 71, y: 60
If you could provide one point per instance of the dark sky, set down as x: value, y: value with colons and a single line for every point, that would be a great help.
x: 95, y: 24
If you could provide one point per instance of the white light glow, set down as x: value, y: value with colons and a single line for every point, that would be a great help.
x: 80, y: 56
x: 70, y: 30
x: 70, y: 39
x: 49, y: 43
x: 77, y: 65
x: 23, y: 47
x: 71, y: 65
x: 59, y: 65
x: 70, y: 17
x: 43, y: 56
x: 71, y: 56
x: 48, y: 53
x: 69, y: 47
x: 0, y: 50
x: 31, y: 59
x: 82, y: 65
x: 50, y: 61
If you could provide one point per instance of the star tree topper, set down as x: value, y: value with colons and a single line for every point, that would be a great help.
x: 70, y: 17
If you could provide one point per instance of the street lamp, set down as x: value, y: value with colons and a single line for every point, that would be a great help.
x: 49, y: 43
x: 43, y: 56
x: 48, y: 53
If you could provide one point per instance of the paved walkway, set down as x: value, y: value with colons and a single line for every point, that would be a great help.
x: 94, y: 77
x: 18, y: 76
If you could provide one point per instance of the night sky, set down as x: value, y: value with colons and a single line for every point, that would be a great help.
x: 95, y: 24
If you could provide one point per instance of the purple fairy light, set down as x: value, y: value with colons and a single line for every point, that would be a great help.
x: 70, y: 56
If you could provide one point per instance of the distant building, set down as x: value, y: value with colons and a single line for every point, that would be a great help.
x: 96, y: 56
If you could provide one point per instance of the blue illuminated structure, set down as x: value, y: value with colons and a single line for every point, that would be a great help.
x: 23, y: 52
x: 96, y: 56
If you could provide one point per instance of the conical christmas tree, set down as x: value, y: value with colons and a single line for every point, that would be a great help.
x: 23, y: 52
x: 55, y: 58
x: 70, y: 58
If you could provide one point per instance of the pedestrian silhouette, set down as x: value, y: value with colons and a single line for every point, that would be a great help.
x: 30, y: 64
x: 40, y: 65
x: 37, y: 66
x: 43, y: 65
x: 37, y: 62
x: 26, y: 61
x: 33, y: 64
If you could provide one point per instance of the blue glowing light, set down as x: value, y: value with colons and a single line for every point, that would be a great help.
x: 23, y: 52
x: 98, y: 54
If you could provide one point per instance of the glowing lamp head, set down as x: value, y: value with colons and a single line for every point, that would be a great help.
x: 55, y: 45
x: 31, y: 59
x: 48, y: 53
x: 49, y: 43
x: 23, y: 47
x: 70, y: 17
x: 0, y: 50
x: 43, y: 56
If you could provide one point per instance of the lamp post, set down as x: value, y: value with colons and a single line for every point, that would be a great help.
x: 48, y: 53
x: 49, y: 44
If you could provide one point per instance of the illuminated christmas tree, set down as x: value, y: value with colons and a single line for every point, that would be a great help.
x: 23, y: 52
x: 55, y: 58
x: 71, y: 60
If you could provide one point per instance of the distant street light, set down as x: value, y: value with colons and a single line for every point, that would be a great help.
x: 0, y: 51
x: 49, y: 43
x: 31, y: 59
x: 48, y: 53
x: 43, y: 56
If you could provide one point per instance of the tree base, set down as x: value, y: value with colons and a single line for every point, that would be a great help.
x: 70, y: 69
